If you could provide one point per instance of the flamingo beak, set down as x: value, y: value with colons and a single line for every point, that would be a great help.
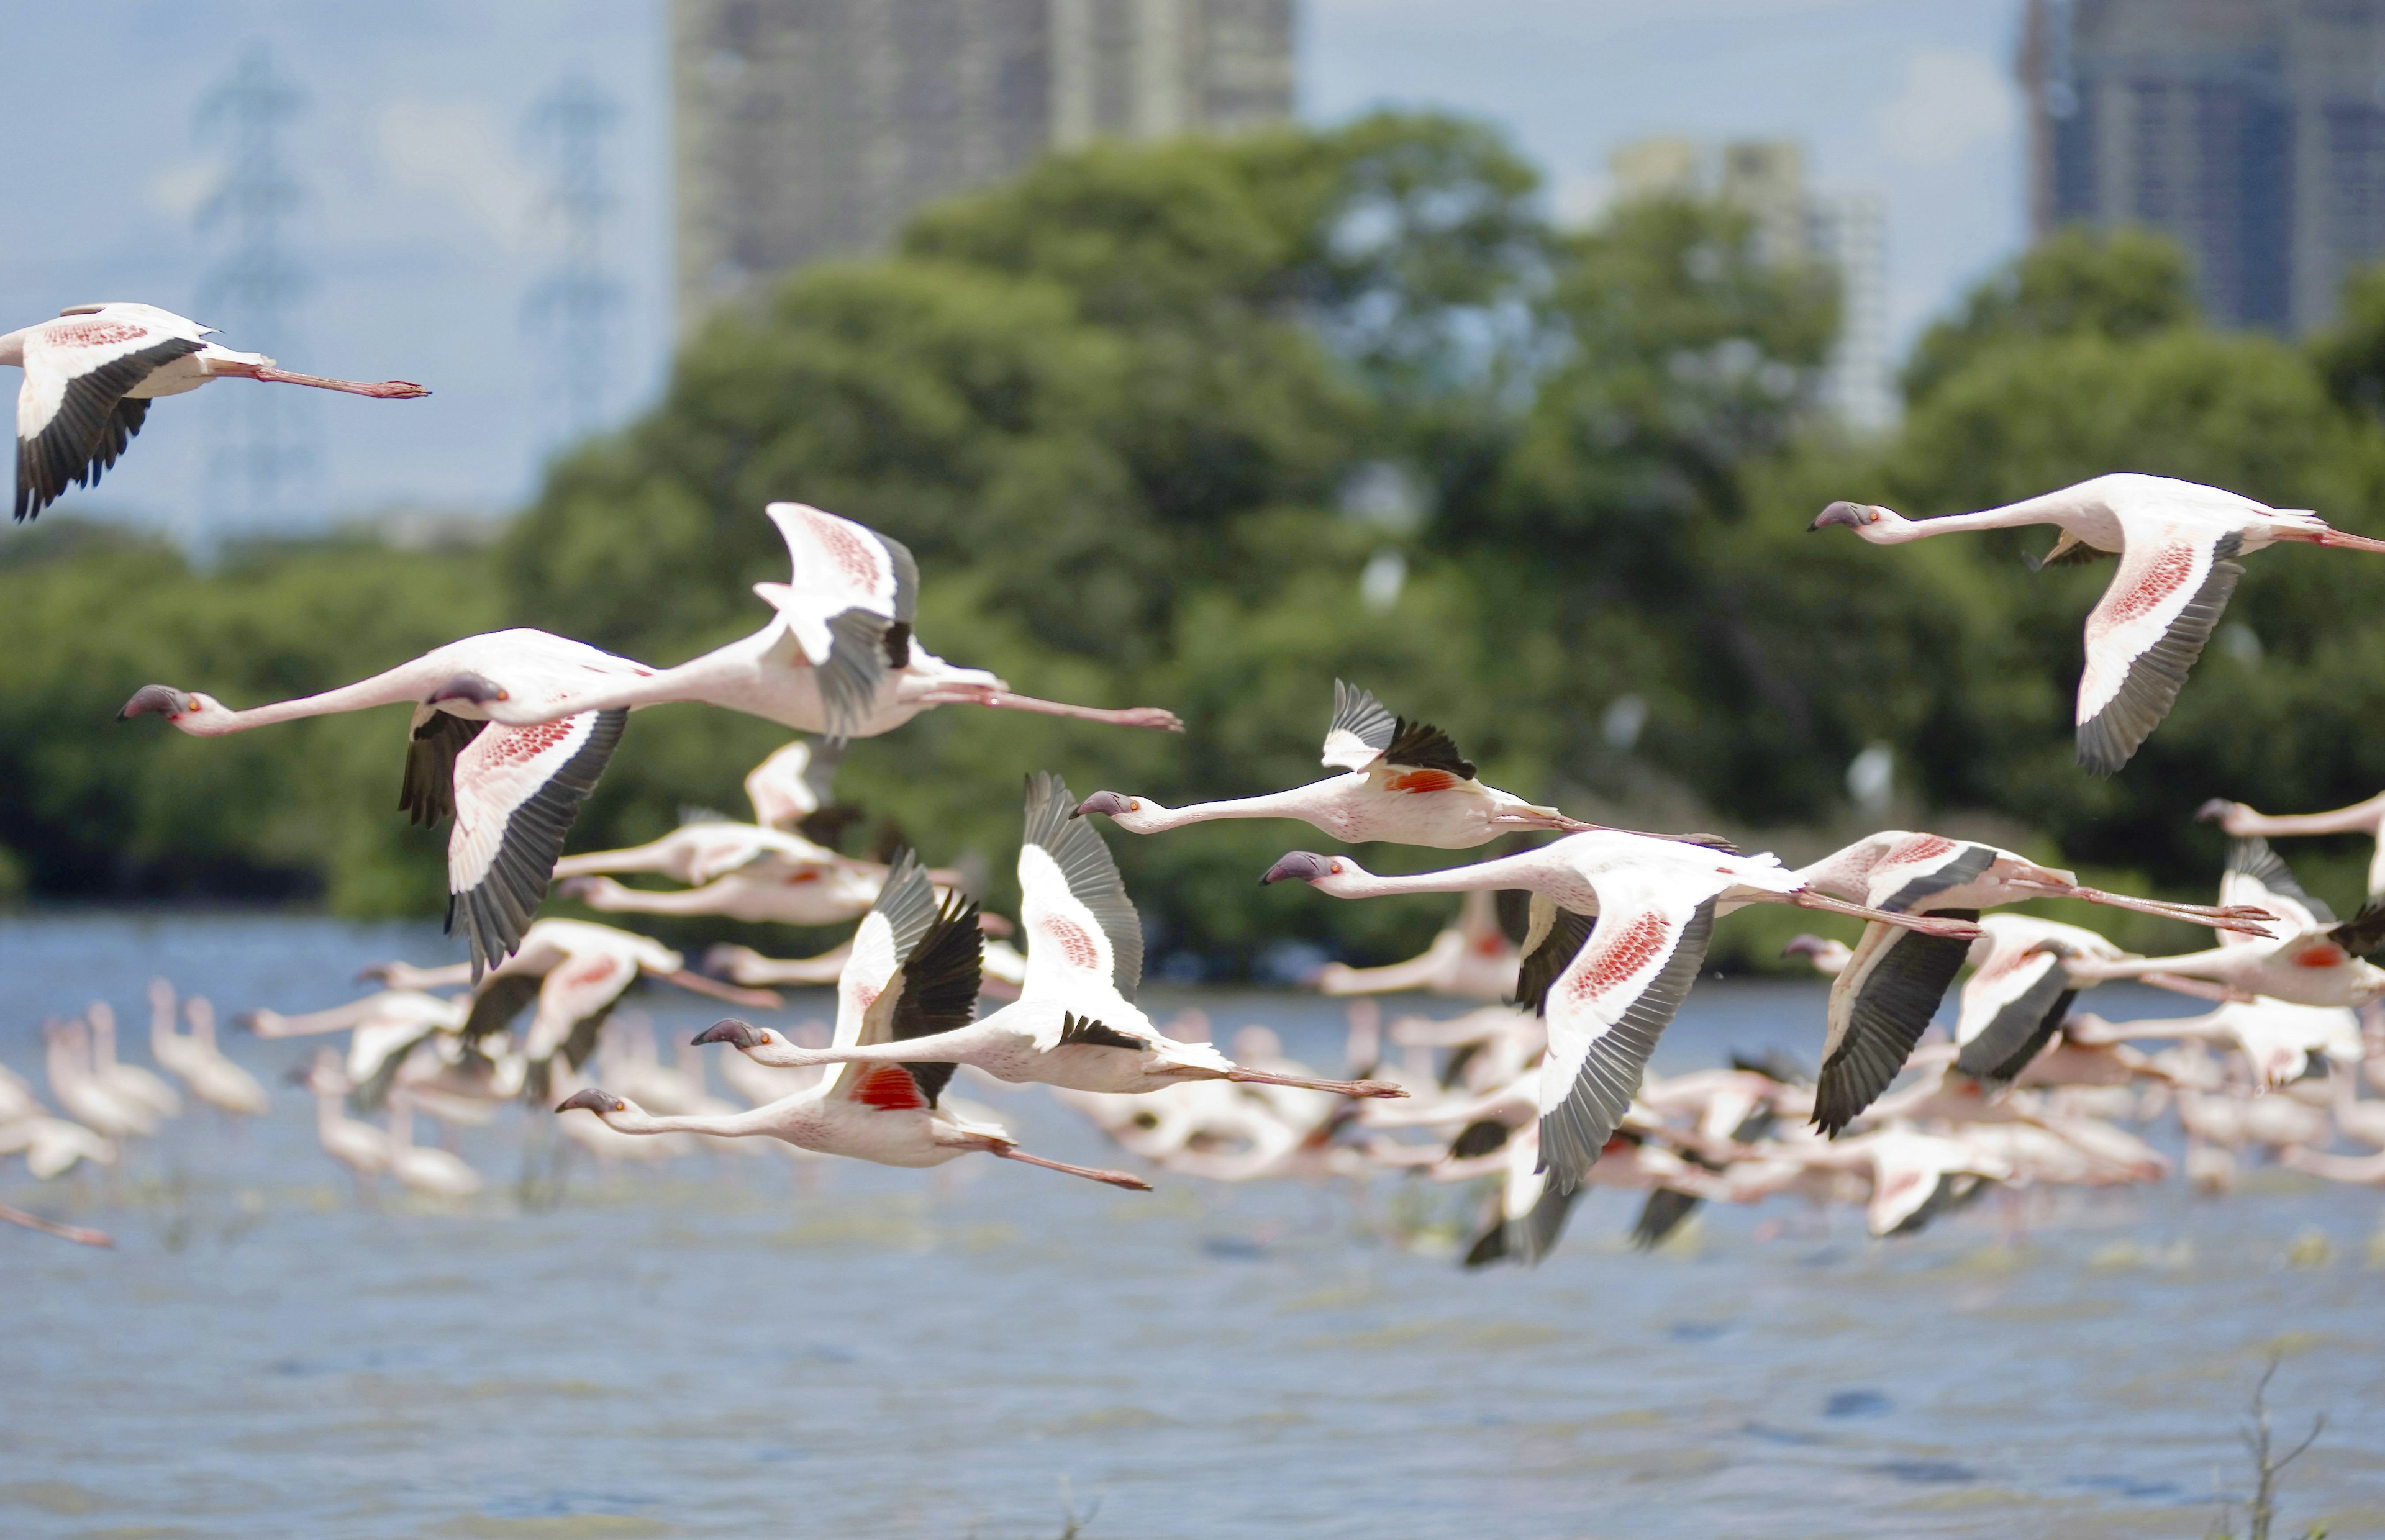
x: 2213, y: 810
x: 589, y: 1100
x: 1298, y: 867
x: 154, y: 701
x: 729, y: 1030
x: 1108, y: 803
x: 1852, y: 515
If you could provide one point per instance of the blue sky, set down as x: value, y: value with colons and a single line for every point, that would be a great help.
x: 423, y: 232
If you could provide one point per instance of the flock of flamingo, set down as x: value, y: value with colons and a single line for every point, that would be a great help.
x: 1579, y: 949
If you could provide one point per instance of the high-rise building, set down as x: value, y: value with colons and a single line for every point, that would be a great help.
x: 2252, y: 131
x: 1848, y: 230
x: 805, y: 128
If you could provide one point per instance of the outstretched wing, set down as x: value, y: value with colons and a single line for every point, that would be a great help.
x: 1880, y: 1003
x: 1080, y: 922
x: 1562, y: 939
x: 515, y: 791
x: 2010, y: 1007
x: 1607, y: 1009
x: 428, y: 792
x: 850, y: 606
x: 72, y: 415
x: 2258, y: 876
x: 1360, y: 731
x: 936, y: 989
x: 2144, y: 634
x: 1917, y: 869
x: 905, y: 911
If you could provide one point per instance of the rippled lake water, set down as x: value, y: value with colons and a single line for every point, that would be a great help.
x: 709, y: 1348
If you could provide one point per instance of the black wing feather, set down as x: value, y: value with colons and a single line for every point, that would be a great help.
x: 1423, y: 746
x: 1091, y: 871
x: 1357, y: 712
x: 91, y: 427
x: 499, y: 998
x: 2108, y: 739
x: 1893, y: 1001
x: 1972, y: 862
x: 428, y: 793
x: 2363, y: 933
x: 498, y: 909
x: 2255, y: 858
x: 1569, y: 933
x: 940, y: 986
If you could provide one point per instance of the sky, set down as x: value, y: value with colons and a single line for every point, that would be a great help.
x: 425, y: 221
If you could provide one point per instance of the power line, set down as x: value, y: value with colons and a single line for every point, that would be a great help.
x: 256, y: 287
x: 575, y: 302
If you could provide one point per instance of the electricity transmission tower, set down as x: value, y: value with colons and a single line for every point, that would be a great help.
x: 253, y: 291
x: 574, y: 303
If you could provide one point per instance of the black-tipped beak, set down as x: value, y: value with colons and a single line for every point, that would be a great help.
x: 1108, y: 803
x: 1849, y: 514
x: 298, y: 1074
x: 154, y: 701
x: 729, y: 1030
x: 465, y: 687
x: 589, y: 1100
x: 2213, y: 810
x: 1804, y: 946
x: 1299, y: 866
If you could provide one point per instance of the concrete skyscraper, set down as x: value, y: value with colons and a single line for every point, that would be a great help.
x: 2252, y: 131
x: 805, y: 128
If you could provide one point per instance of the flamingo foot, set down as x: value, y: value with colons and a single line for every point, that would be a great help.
x: 74, y: 1233
x: 1114, y: 1178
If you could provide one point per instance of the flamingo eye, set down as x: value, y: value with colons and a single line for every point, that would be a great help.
x: 1135, y: 806
x: 620, y: 1106
x: 763, y: 1038
x: 1335, y: 868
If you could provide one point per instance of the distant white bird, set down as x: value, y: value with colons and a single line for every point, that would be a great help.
x: 1471, y: 960
x: 1608, y: 992
x: 51, y: 1145
x: 2367, y: 818
x: 1402, y: 781
x: 840, y: 658
x: 131, y: 1081
x: 2178, y: 544
x: 424, y: 1169
x: 360, y: 1146
x: 86, y: 1098
x: 195, y: 1060
x: 913, y: 972
x: 793, y: 783
x: 91, y: 375
x: 2276, y: 1037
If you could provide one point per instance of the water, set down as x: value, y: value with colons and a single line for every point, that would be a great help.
x: 704, y: 1349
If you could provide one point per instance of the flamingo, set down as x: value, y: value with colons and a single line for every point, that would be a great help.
x: 196, y: 1061
x: 513, y: 791
x: 913, y: 972
x: 2314, y: 962
x: 16, y: 1096
x: 360, y: 1146
x: 2276, y: 1037
x: 2368, y: 1170
x: 2178, y: 544
x: 130, y: 1081
x: 2355, y: 1118
x: 51, y: 1145
x: 1887, y: 992
x: 91, y: 374
x: 1402, y: 781
x: 2367, y: 818
x: 838, y: 658
x: 1610, y: 993
x: 792, y: 784
x: 86, y: 1099
x: 1075, y: 1022
x: 1472, y: 960
x: 2019, y: 992
x: 424, y: 1169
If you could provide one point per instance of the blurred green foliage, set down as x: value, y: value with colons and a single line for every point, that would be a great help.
x: 1147, y: 414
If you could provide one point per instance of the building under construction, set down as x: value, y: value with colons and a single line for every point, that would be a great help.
x: 805, y: 128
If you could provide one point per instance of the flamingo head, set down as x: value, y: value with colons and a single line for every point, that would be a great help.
x: 188, y: 710
x: 593, y: 1100
x: 1828, y: 956
x: 1327, y: 874
x: 735, y: 1033
x: 1131, y: 813
x: 2213, y: 810
x: 1873, y: 523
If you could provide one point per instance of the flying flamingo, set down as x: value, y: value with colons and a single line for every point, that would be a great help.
x: 2367, y: 818
x: 1402, y: 781
x: 2314, y: 960
x: 512, y: 791
x: 2019, y: 992
x: 840, y: 658
x: 2178, y: 544
x: 1472, y: 960
x: 792, y: 784
x: 1886, y: 993
x: 1608, y: 992
x: 194, y: 1058
x: 1075, y: 1022
x: 2278, y: 1038
x: 91, y: 374
x: 913, y: 973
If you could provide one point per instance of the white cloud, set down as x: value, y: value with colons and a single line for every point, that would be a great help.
x: 1950, y: 104
x: 461, y: 152
x: 179, y: 189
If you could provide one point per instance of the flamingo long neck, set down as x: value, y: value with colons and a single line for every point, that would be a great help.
x: 2047, y: 508
x: 1151, y: 818
x: 722, y: 676
x: 1514, y: 870
x: 12, y: 347
x: 767, y: 1119
x: 383, y: 690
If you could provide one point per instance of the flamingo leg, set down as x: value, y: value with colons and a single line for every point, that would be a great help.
x: 1114, y: 1178
x: 386, y: 390
x: 2350, y: 542
x: 2200, y: 988
x: 1002, y: 700
x: 2240, y: 917
x: 74, y: 1233
x: 1928, y: 924
x: 1338, y: 1087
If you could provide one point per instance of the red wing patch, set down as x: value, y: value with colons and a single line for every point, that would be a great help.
x: 1420, y: 780
x: 2326, y: 954
x: 854, y: 557
x: 1921, y: 847
x: 2163, y: 577
x: 518, y: 745
x: 1621, y: 957
x: 93, y: 334
x: 1070, y: 937
x: 890, y: 1088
